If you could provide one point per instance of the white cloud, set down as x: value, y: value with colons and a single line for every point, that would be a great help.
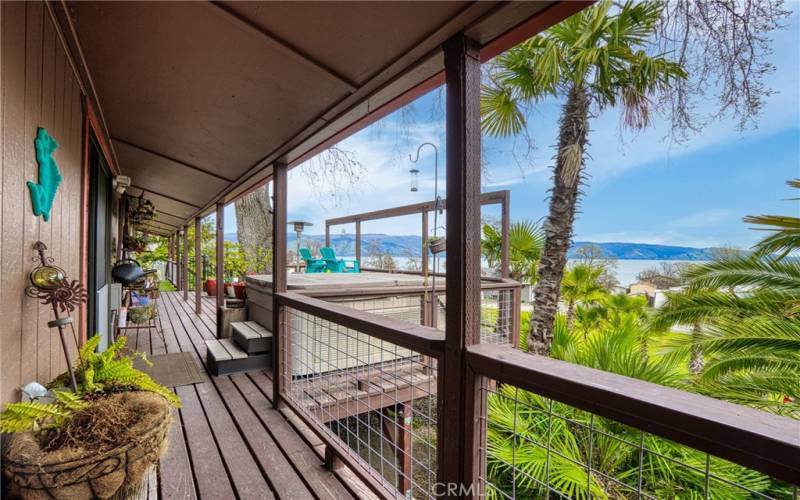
x: 385, y: 183
x: 706, y: 218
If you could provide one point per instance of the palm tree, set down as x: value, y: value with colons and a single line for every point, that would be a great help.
x: 786, y: 237
x: 581, y: 284
x: 527, y: 448
x: 525, y: 241
x: 595, y: 59
x: 746, y: 310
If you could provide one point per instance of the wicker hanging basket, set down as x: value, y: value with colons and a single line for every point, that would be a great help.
x: 70, y: 474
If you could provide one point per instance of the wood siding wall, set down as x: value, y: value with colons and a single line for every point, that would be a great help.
x: 39, y: 89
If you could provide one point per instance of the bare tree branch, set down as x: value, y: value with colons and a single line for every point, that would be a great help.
x: 334, y: 174
x: 724, y: 45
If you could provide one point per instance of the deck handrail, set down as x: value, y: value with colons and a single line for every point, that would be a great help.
x: 502, y: 284
x: 761, y: 441
x: 756, y: 439
x: 422, y: 339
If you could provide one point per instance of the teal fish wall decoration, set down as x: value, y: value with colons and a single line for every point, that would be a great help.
x: 44, y: 192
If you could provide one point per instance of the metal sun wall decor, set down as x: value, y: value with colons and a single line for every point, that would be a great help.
x: 44, y: 192
x: 49, y: 284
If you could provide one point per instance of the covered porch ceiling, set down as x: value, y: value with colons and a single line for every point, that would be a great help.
x: 198, y: 99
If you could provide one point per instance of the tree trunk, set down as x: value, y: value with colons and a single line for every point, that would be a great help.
x: 254, y: 230
x: 573, y: 130
x: 696, y: 361
x: 570, y: 314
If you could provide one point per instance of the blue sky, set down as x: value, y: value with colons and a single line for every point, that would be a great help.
x: 642, y: 188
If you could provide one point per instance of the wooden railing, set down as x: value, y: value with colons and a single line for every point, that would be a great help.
x: 762, y: 441
x: 767, y: 443
x: 326, y: 377
x: 502, y: 326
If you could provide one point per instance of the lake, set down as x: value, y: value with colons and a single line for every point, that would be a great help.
x: 626, y: 270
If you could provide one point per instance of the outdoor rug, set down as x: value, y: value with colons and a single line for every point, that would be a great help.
x: 171, y: 370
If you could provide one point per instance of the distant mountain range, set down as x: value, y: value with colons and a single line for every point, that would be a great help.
x: 408, y: 246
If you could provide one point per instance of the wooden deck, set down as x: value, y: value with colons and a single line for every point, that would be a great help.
x: 227, y: 440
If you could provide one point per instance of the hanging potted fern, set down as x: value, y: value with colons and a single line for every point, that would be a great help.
x: 93, y: 443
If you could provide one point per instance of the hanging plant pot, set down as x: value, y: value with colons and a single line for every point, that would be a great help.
x: 35, y: 473
x: 437, y: 245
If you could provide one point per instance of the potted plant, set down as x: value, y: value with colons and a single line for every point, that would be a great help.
x: 211, y: 287
x: 140, y: 210
x: 91, y: 443
x: 437, y: 244
x: 239, y: 290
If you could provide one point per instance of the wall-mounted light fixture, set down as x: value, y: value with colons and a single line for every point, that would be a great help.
x: 121, y: 183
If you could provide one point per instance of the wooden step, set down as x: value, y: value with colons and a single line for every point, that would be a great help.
x: 251, y: 337
x: 223, y: 356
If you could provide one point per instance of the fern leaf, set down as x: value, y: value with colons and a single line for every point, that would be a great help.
x: 70, y: 400
x: 29, y: 416
x: 87, y: 351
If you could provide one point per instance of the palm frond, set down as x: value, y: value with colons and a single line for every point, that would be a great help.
x: 500, y: 112
x: 733, y: 271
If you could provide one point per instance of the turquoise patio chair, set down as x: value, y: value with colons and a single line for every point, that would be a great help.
x: 313, y: 265
x: 335, y: 265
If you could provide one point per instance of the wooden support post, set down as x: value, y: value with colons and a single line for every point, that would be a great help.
x: 459, y: 389
x: 505, y: 227
x: 327, y: 234
x: 220, y: 243
x: 358, y: 241
x: 280, y: 352
x: 505, y: 299
x: 178, y: 260
x: 403, y: 442
x: 170, y: 257
x: 397, y: 431
x: 185, y: 263
x: 516, y: 300
x: 198, y: 263
x: 332, y: 462
x: 425, y: 254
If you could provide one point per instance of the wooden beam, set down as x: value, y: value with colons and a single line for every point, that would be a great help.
x: 170, y: 158
x: 169, y: 197
x: 762, y: 441
x: 185, y: 263
x: 198, y: 266
x: 491, y: 198
x: 288, y: 47
x: 459, y: 446
x: 280, y: 365
x: 220, y: 264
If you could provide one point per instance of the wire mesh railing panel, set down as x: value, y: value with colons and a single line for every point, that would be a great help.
x: 373, y: 397
x: 497, y: 316
x: 497, y: 311
x: 535, y: 447
x: 403, y: 307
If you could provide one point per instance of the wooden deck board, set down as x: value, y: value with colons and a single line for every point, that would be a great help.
x: 227, y: 440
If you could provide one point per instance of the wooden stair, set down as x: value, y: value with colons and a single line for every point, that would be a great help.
x: 252, y: 337
x: 249, y: 348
